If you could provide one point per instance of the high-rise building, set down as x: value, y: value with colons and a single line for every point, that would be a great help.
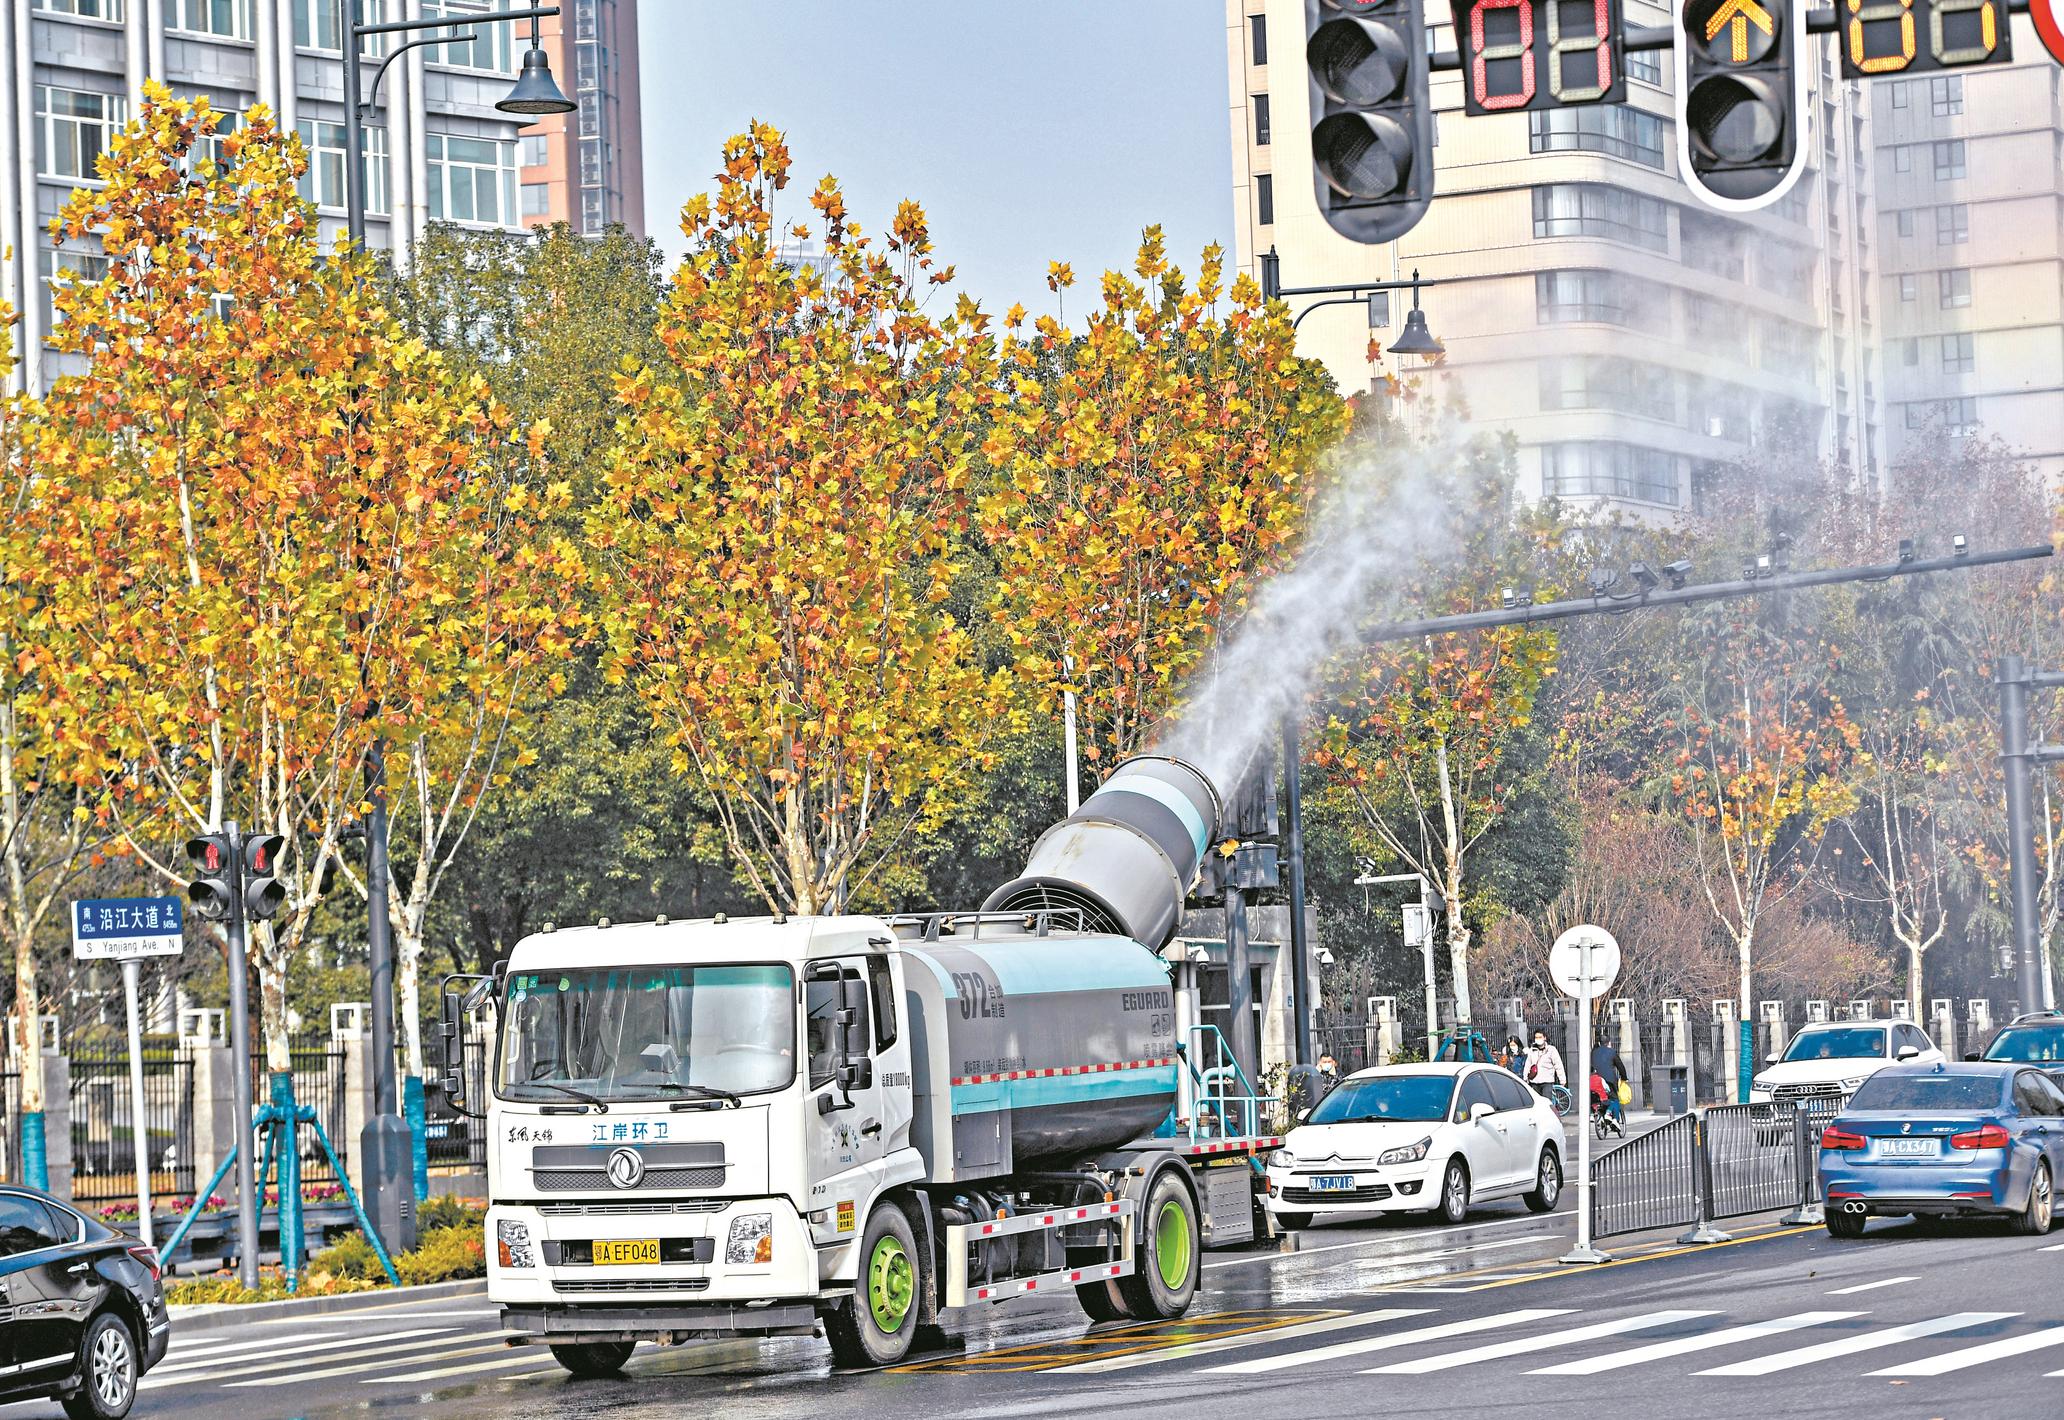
x: 1629, y: 338
x: 1971, y: 224
x: 588, y: 168
x: 72, y: 74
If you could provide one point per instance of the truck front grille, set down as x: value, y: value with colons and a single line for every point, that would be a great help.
x: 630, y: 1210
x: 641, y: 1284
x: 571, y: 1180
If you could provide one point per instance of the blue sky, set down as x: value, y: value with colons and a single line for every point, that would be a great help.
x: 1030, y: 131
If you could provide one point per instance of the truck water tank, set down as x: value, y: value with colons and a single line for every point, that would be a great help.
x: 1031, y: 1050
x: 1127, y: 858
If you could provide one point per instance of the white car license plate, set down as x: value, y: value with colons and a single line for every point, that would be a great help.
x: 1332, y: 1183
x: 1907, y: 1148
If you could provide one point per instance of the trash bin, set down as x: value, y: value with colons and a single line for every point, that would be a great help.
x: 1669, y: 1087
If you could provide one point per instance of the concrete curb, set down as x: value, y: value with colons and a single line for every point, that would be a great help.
x: 218, y: 1316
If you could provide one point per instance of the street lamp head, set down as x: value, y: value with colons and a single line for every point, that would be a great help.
x: 536, y: 92
x: 1416, y: 339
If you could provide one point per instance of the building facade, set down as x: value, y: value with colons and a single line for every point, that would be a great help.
x: 1971, y: 224
x: 72, y: 74
x: 587, y: 168
x: 1630, y: 339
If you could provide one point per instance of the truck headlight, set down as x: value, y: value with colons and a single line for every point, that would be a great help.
x: 1405, y: 1153
x: 512, y: 1244
x: 1281, y: 1159
x: 751, y: 1240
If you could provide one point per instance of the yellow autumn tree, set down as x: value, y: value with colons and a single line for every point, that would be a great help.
x: 781, y: 530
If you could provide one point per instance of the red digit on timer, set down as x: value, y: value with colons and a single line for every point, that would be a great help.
x: 1523, y: 51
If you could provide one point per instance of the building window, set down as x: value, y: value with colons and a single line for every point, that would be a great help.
x: 1946, y: 95
x: 1257, y: 37
x: 323, y: 183
x: 1949, y: 160
x: 1795, y: 205
x: 1786, y: 348
x: 223, y: 19
x: 1712, y: 245
x: 531, y: 150
x: 1954, y: 416
x: 214, y: 146
x: 1608, y: 382
x: 1261, y: 124
x: 589, y: 61
x: 591, y: 162
x: 1959, y: 354
x: 1583, y: 210
x: 1616, y: 130
x: 1910, y: 353
x: 316, y: 27
x: 1716, y: 327
x: 1645, y: 65
x: 1565, y: 296
x: 1909, y: 286
x: 590, y: 115
x: 492, y: 47
x: 1264, y: 198
x: 1953, y: 224
x: 67, y: 268
x: 536, y: 198
x: 112, y: 10
x: 73, y: 128
x: 1902, y: 159
x: 1611, y: 470
x: 1906, y: 224
x: 1899, y: 93
x: 1788, y: 270
x: 1953, y: 287
x: 472, y: 180
x: 594, y: 214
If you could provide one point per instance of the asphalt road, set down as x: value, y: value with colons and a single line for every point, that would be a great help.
x: 1343, y: 1320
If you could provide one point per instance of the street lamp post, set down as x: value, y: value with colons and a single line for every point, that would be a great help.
x: 385, y: 1143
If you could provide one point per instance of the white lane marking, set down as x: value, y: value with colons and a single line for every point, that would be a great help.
x: 169, y: 1369
x: 1230, y: 1343
x: 1389, y: 1238
x: 1850, y: 1345
x: 384, y: 1363
x: 1704, y: 1341
x: 204, y: 1372
x: 1362, y: 1345
x: 1871, y: 1286
x: 393, y: 1311
x: 1978, y: 1355
x: 519, y: 1358
x: 179, y: 1351
x: 2053, y: 1247
x: 1547, y: 1341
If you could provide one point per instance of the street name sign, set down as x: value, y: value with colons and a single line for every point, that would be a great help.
x: 123, y: 928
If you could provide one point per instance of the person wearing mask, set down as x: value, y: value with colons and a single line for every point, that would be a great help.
x: 1513, y: 1056
x: 1607, y: 1066
x: 1544, y: 1065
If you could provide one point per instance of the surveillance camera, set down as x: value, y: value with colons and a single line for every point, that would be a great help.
x: 1906, y: 549
x: 1644, y: 576
x: 1959, y: 546
x: 1508, y: 598
x: 1325, y: 957
x: 1677, y: 572
x: 1603, y: 580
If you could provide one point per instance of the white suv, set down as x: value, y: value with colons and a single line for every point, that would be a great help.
x: 1830, y: 1060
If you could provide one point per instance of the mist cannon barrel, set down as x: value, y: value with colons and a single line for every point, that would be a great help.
x: 1127, y: 857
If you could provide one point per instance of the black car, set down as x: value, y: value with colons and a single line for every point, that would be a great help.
x: 82, y: 1309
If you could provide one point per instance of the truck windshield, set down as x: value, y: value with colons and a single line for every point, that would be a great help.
x: 1841, y: 1043
x: 647, y: 1032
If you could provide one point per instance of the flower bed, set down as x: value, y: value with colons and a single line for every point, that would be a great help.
x: 312, y: 1195
x: 451, y: 1248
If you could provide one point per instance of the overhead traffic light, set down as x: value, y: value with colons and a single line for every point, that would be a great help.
x: 212, y: 893
x: 263, y: 891
x: 1912, y: 36
x: 1372, y: 139
x: 1533, y: 54
x: 1741, y: 96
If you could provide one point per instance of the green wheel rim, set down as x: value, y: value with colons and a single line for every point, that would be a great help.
x: 1172, y: 1244
x: 890, y: 1284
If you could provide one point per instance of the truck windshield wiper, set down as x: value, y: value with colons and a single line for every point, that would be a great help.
x: 582, y: 1095
x: 703, y: 1091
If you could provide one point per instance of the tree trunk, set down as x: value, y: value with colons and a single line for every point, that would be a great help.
x: 795, y: 844
x: 28, y: 1052
x: 1913, y: 981
x: 1745, y: 942
x: 1458, y: 960
x: 408, y: 958
x: 272, y: 999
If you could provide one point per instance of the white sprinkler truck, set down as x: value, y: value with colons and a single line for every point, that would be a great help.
x: 760, y: 1127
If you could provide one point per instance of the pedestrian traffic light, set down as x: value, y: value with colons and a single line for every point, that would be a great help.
x: 210, y: 893
x: 1913, y: 36
x: 263, y: 891
x: 1372, y: 142
x: 1534, y: 54
x: 1741, y: 92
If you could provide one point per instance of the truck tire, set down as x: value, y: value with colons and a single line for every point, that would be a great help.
x: 875, y: 1325
x: 1102, y: 1301
x: 1165, y: 1275
x: 593, y: 1359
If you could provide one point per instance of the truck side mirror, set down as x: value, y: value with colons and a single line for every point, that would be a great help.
x: 458, y: 993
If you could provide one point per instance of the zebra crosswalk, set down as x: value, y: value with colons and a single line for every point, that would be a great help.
x: 343, y: 1352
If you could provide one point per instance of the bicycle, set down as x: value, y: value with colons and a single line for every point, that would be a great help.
x: 1560, y: 1097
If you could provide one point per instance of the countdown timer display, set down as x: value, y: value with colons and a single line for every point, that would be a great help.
x: 1533, y: 54
x: 1881, y: 37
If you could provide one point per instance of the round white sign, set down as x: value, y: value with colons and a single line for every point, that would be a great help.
x: 1566, y: 961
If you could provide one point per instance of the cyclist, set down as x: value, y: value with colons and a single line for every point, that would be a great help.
x: 1606, y: 1065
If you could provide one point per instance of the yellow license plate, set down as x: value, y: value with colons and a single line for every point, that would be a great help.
x: 620, y: 1252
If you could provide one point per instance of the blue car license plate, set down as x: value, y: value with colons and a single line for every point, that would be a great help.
x: 1332, y: 1183
x: 1907, y: 1148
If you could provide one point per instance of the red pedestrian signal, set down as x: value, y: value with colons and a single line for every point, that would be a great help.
x: 1535, y: 54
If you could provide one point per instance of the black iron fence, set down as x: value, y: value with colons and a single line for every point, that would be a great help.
x: 451, y: 1139
x: 103, y: 1122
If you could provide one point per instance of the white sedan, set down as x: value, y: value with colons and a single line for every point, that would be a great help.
x: 1404, y: 1138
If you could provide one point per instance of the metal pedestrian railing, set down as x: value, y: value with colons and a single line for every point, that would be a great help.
x: 1723, y: 1161
x: 1651, y: 1181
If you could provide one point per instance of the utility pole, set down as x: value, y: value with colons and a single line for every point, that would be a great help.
x: 2019, y: 760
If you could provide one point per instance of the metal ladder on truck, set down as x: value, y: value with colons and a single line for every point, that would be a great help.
x: 1224, y: 1137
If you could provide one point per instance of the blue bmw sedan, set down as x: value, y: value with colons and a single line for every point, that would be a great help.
x: 1982, y: 1138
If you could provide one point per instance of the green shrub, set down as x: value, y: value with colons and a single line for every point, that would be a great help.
x: 444, y: 1255
x: 448, y: 1211
x: 349, y: 1256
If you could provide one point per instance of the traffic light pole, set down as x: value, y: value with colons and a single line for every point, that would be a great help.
x: 2019, y: 759
x: 240, y: 1069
